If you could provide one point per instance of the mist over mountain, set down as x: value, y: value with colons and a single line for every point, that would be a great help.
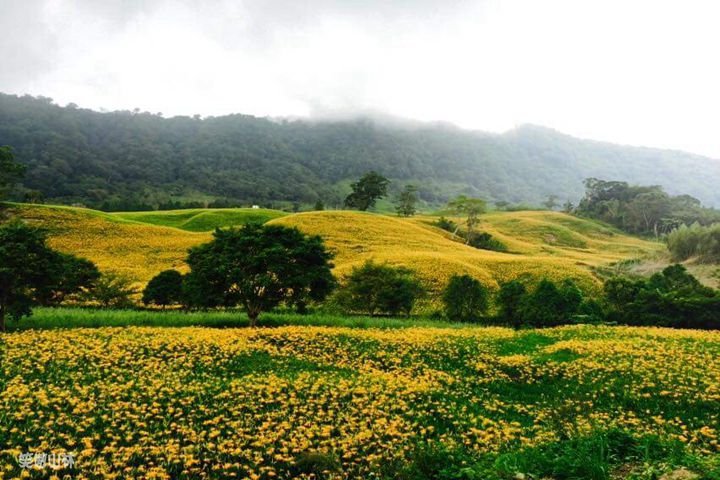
x: 75, y: 155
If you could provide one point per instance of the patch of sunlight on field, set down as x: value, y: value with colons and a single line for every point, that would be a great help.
x: 200, y: 219
x: 548, y: 244
x: 135, y: 249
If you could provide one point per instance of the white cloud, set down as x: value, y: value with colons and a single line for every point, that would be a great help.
x: 638, y: 71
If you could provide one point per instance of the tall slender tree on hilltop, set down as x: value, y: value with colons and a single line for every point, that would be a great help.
x: 471, y: 208
x: 406, y: 201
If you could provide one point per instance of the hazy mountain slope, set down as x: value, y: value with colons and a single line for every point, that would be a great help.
x: 128, y: 158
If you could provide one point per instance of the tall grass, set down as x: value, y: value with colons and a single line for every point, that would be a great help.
x: 53, y: 318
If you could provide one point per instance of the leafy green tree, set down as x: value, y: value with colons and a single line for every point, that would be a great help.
x: 379, y: 289
x: 406, y: 201
x: 366, y: 191
x: 319, y: 206
x: 549, y: 305
x: 33, y: 196
x: 113, y: 290
x: 671, y: 298
x: 199, y: 293
x: 30, y: 271
x: 646, y: 212
x: 10, y: 170
x: 465, y: 299
x: 166, y: 288
x: 471, y: 208
x: 259, y: 267
x: 510, y: 299
x: 65, y: 276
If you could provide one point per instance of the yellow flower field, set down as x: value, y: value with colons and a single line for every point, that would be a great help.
x: 276, y: 403
x: 541, y: 244
x: 137, y: 250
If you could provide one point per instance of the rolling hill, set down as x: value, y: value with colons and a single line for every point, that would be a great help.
x: 540, y: 244
x: 202, y: 219
x: 133, y: 160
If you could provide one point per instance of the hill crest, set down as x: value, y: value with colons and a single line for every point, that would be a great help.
x: 541, y: 244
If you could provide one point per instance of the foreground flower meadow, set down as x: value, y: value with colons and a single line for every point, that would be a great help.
x: 343, y: 403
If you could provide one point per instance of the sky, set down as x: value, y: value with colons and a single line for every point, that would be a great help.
x: 640, y: 72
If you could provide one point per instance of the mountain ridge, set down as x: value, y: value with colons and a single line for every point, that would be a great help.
x: 118, y: 159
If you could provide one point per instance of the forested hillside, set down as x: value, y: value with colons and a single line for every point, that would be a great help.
x: 121, y: 159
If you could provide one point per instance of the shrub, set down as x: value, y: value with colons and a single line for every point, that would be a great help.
x: 112, y: 290
x: 445, y: 224
x: 481, y: 240
x: 379, y: 289
x: 509, y: 301
x: 695, y: 241
x: 683, y: 242
x: 465, y: 299
x: 549, y: 305
x: 672, y: 298
x: 485, y: 241
x: 166, y: 288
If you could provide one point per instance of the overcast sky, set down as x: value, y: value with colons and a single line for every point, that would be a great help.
x: 643, y: 72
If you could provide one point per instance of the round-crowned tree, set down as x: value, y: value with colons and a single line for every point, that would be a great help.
x: 32, y: 273
x: 374, y: 288
x: 166, y: 288
x: 465, y: 299
x: 259, y: 267
x: 510, y: 300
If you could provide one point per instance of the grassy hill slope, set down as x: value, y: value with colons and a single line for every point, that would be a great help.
x: 139, y: 250
x: 540, y: 244
x: 202, y: 219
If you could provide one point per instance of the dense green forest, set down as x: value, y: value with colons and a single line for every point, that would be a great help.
x: 644, y: 210
x: 122, y: 160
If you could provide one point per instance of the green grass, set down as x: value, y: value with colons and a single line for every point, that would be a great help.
x: 53, y: 318
x: 202, y: 219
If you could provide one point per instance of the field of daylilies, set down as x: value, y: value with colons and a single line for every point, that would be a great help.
x: 330, y: 402
x: 551, y: 245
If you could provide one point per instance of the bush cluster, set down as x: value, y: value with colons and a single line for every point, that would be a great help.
x: 481, y: 240
x: 546, y: 305
x: 379, y: 289
x: 695, y: 241
x: 672, y: 298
